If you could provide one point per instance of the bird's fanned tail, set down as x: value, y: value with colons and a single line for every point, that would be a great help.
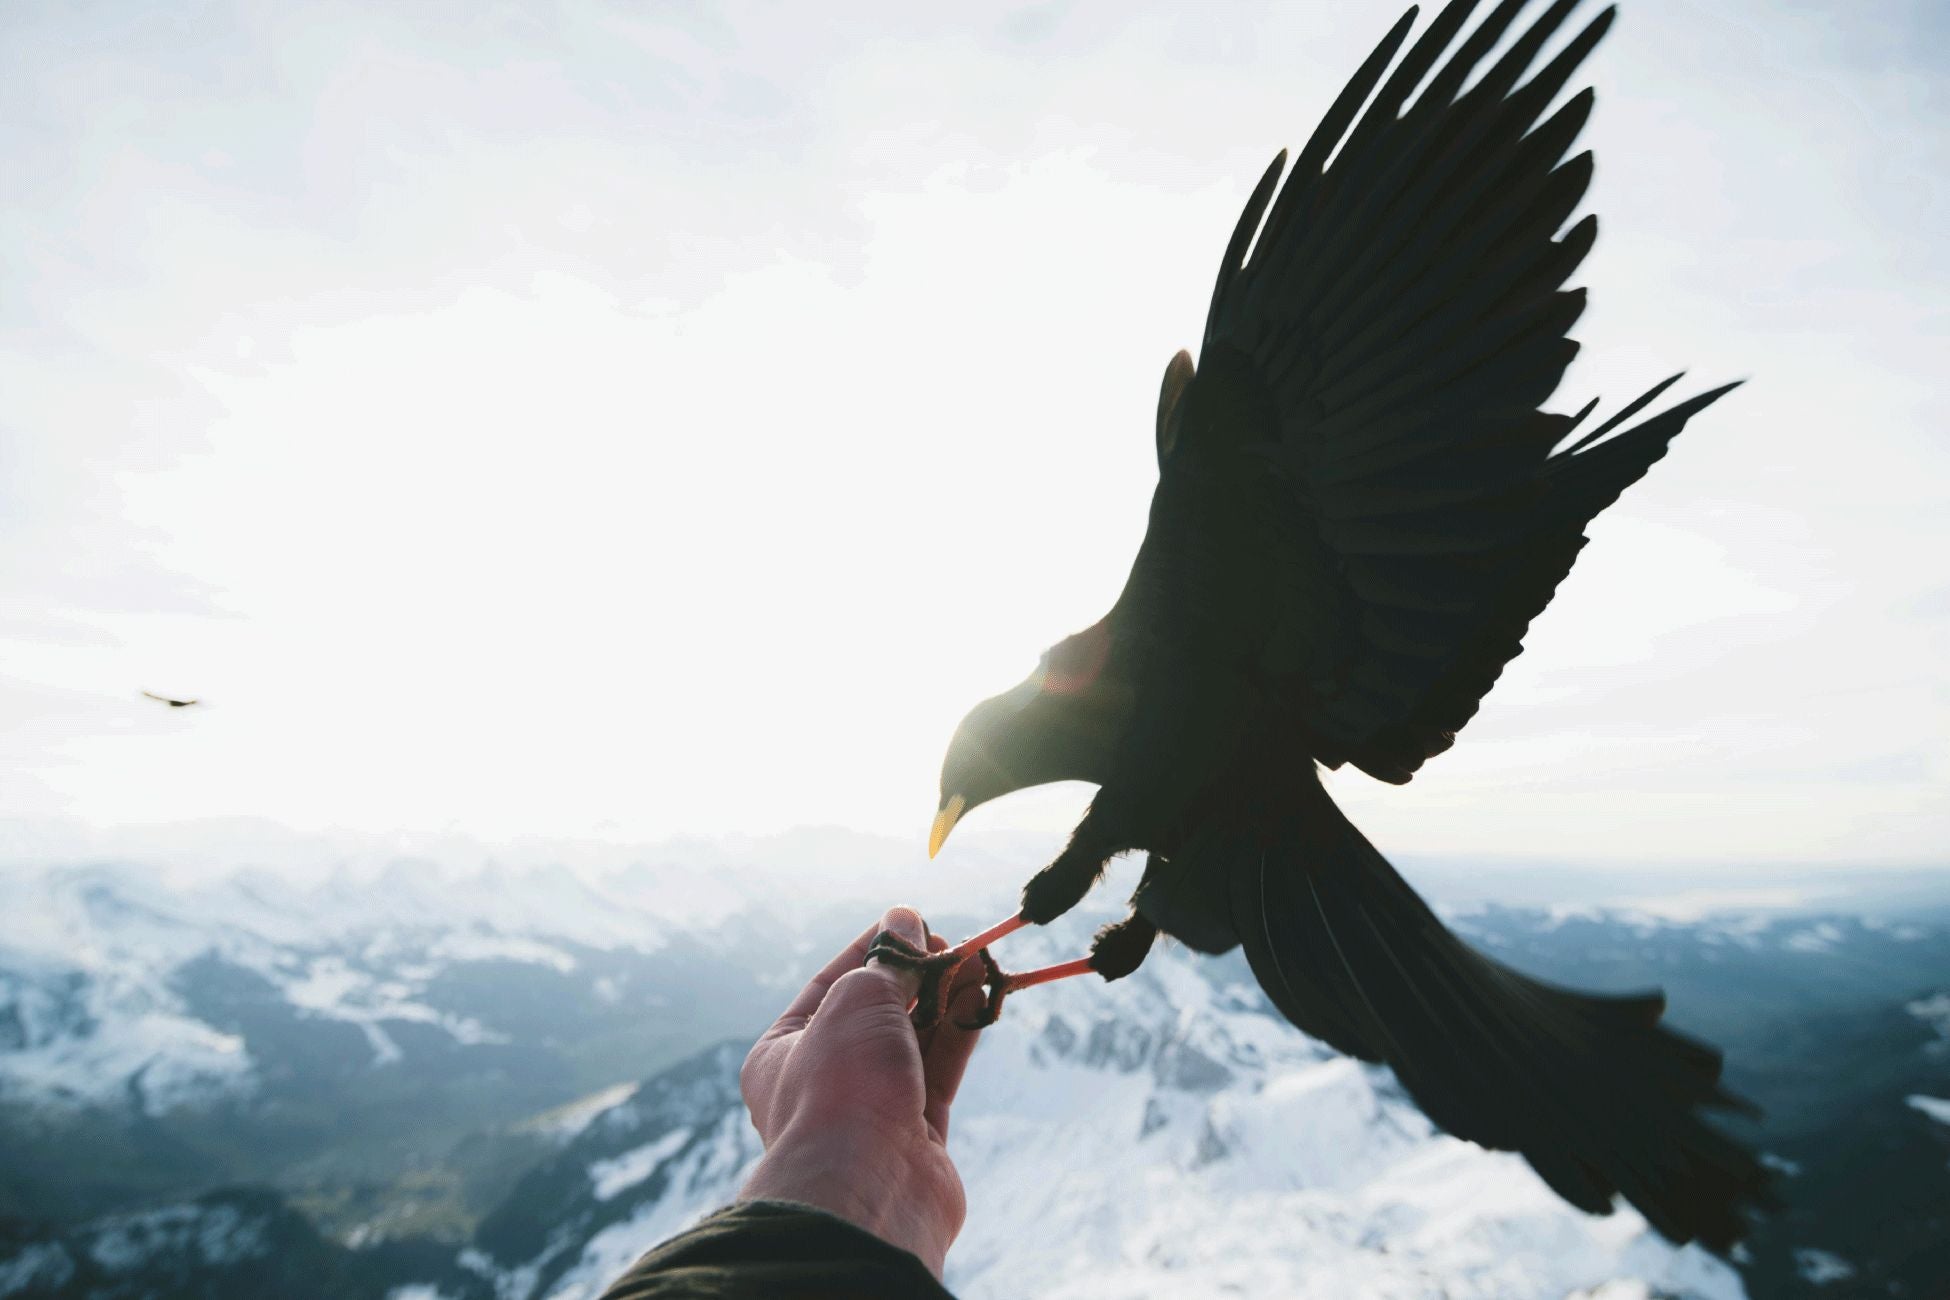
x: 1599, y: 1097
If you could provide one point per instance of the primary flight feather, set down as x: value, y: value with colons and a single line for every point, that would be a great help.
x: 1361, y: 505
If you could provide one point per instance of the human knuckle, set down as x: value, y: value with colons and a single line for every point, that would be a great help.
x: 751, y: 1076
x: 854, y: 984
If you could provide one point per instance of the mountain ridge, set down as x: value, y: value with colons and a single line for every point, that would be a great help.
x: 424, y: 1088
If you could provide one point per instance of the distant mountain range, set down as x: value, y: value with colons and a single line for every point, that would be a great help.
x: 411, y: 1084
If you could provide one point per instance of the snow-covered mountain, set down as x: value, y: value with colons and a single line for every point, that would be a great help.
x: 103, y: 968
x: 93, y: 963
x: 1164, y: 1136
x: 430, y: 1077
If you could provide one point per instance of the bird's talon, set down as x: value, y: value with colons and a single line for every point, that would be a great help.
x: 892, y: 950
x: 937, y: 972
x: 995, y: 982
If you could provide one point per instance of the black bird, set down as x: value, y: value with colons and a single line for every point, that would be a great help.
x: 1361, y: 505
x: 164, y: 699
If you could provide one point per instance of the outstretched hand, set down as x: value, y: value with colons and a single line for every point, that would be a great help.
x: 852, y: 1101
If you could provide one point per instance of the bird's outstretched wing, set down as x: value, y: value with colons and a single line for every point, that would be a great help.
x: 1387, y: 348
x: 172, y: 703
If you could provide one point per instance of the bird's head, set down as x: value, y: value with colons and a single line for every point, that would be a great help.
x: 1058, y: 724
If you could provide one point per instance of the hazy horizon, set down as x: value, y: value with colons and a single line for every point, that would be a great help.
x: 977, y: 875
x: 560, y: 421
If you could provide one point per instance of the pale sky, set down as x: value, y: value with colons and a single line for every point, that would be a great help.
x: 636, y: 420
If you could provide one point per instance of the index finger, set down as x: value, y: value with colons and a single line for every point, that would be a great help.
x: 851, y: 957
x: 945, y: 1059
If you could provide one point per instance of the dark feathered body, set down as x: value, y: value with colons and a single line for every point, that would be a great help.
x: 1361, y: 505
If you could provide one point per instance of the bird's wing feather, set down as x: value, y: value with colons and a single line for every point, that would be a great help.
x: 1385, y: 351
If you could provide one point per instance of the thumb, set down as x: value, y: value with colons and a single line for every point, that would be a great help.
x: 906, y: 925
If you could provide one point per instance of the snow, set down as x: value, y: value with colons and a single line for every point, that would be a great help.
x: 1900, y: 931
x: 701, y: 1180
x: 564, y: 1122
x: 1825, y: 936
x: 332, y: 989
x: 1693, y: 905
x: 134, y: 1042
x: 608, y: 1177
x: 1934, y: 1011
x: 218, y: 1235
x: 1165, y: 1135
x: 1821, y: 1267
x: 1935, y: 1107
x: 45, y: 1267
x: 1099, y: 1179
x: 478, y: 946
x: 89, y: 960
x: 94, y: 1020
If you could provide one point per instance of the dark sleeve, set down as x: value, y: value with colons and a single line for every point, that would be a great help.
x: 762, y: 1249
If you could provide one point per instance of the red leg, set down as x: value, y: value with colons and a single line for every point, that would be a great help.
x: 1001, y: 983
x: 1115, y: 952
x: 1061, y: 971
x: 975, y: 942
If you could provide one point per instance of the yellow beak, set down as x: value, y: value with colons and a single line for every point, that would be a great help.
x: 944, y: 821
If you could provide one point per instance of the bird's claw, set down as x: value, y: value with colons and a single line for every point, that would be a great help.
x: 938, y: 971
x: 995, y: 984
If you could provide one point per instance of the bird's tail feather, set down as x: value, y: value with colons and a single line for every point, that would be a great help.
x: 1596, y: 1094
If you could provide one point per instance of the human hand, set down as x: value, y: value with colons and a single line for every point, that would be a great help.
x: 852, y: 1102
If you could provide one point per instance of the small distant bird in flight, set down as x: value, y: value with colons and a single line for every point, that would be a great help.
x: 1361, y: 505
x: 174, y: 704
